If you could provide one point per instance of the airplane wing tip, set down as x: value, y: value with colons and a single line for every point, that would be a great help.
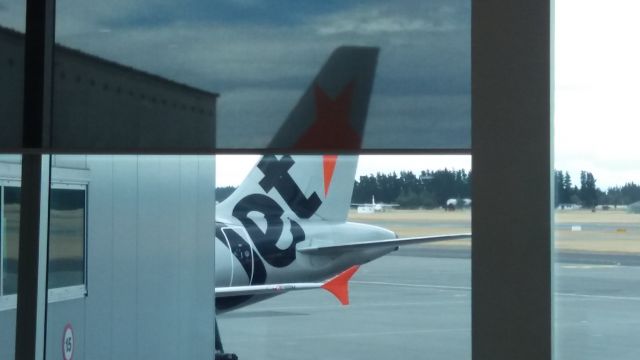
x: 339, y: 285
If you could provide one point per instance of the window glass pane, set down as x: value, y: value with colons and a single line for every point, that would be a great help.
x: 67, y: 237
x: 597, y: 181
x: 263, y: 58
x: 403, y: 301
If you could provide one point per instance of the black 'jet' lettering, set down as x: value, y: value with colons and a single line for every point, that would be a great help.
x: 266, y: 241
x: 276, y: 174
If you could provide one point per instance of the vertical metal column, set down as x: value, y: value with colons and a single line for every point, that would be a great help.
x: 38, y: 68
x: 32, y: 260
x: 512, y: 174
x: 36, y: 169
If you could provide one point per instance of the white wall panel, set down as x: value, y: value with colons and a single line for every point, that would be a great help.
x: 150, y: 256
x: 201, y: 255
x: 158, y: 219
x: 100, y: 258
x: 125, y: 220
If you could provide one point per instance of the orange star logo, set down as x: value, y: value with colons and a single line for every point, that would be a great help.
x: 331, y: 129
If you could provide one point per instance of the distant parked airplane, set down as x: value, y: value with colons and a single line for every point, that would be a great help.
x: 457, y: 203
x: 373, y: 207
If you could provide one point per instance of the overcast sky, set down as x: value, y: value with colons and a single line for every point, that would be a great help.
x: 232, y: 169
x: 260, y: 55
x: 597, y: 74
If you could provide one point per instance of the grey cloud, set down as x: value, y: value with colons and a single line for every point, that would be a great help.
x: 261, y: 110
x: 12, y: 15
x: 375, y: 22
x: 245, y: 3
x: 419, y: 122
x: 380, y: 18
x: 80, y: 18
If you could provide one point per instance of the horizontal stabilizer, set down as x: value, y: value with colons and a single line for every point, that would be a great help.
x: 270, y: 289
x: 341, y: 247
x: 339, y: 285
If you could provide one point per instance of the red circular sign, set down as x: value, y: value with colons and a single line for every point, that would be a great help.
x: 68, y: 342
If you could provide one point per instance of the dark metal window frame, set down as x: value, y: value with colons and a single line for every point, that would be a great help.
x: 31, y: 311
x: 512, y: 159
x: 511, y: 142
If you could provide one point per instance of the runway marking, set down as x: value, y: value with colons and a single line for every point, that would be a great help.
x: 468, y: 288
x: 367, y: 333
x: 602, y: 297
x: 587, y: 267
x: 425, y: 286
x: 353, y: 305
x: 332, y: 307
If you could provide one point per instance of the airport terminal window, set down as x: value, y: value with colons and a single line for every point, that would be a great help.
x: 67, y: 231
x: 152, y: 25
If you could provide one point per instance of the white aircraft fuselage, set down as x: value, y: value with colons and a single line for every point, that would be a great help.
x: 240, y: 263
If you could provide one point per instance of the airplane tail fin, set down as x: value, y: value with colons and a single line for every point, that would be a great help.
x: 331, y: 114
x: 298, y: 187
x: 329, y: 118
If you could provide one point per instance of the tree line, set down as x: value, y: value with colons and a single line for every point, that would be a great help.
x: 224, y: 192
x: 431, y: 189
x: 589, y: 195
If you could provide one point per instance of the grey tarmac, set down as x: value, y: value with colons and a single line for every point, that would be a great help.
x: 416, y: 304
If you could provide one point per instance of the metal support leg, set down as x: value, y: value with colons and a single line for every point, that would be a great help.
x: 219, y: 348
x: 220, y: 354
